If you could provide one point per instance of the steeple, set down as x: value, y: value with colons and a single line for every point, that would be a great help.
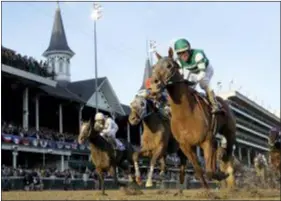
x: 58, y: 40
x: 147, y: 73
x: 58, y: 53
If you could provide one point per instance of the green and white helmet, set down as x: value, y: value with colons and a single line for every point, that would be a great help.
x: 181, y: 45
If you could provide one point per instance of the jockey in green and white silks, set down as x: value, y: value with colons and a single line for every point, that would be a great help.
x: 195, y: 67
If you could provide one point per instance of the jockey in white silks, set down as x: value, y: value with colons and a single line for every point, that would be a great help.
x: 110, y: 128
x: 262, y: 158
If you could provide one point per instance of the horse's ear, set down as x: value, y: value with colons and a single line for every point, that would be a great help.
x: 171, y: 53
x: 158, y: 55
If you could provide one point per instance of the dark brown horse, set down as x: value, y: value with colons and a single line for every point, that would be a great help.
x: 192, y: 123
x: 157, y: 140
x: 103, y: 156
x: 274, y: 160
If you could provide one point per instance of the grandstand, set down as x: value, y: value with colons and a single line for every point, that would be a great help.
x: 42, y: 109
x: 253, y: 123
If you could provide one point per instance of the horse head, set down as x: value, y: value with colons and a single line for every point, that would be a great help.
x: 164, y: 72
x: 89, y: 129
x: 138, y: 110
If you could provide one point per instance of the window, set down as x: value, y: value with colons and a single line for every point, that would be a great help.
x: 61, y: 65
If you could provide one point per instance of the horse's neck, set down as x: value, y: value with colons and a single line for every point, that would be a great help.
x: 178, y: 100
x: 154, y: 122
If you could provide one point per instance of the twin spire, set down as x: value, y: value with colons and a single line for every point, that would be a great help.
x: 58, y: 42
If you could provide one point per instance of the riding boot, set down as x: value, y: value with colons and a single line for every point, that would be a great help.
x: 213, y: 101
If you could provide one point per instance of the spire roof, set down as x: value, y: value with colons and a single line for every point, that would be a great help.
x: 58, y: 40
x: 147, y: 73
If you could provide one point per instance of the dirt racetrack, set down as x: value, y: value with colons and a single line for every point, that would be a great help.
x: 147, y: 195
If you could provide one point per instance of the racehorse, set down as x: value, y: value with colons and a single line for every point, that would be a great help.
x: 192, y: 123
x: 157, y: 140
x: 274, y: 152
x: 103, y: 155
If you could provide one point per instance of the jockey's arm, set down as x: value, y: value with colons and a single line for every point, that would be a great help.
x: 202, y: 63
x: 108, y: 127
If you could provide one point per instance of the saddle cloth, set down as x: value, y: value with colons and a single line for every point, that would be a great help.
x: 204, y: 97
x: 119, y: 145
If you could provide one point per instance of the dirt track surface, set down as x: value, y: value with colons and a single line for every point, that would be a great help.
x: 147, y: 195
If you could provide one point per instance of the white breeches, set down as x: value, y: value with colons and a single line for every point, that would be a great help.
x: 204, y: 81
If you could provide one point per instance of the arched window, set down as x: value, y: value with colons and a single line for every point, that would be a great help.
x: 60, y: 64
x: 52, y: 64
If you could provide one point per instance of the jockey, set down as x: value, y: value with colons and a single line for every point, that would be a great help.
x: 260, y: 157
x: 110, y: 128
x: 196, y: 67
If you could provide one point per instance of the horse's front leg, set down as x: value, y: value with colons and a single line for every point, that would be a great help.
x: 162, y: 175
x: 156, y: 155
x: 191, y: 155
x: 101, y: 181
x: 136, y: 156
x: 113, y: 173
x: 209, y: 155
x: 183, y: 161
x: 162, y: 167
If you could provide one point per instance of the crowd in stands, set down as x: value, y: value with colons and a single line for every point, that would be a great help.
x: 29, y: 64
x: 43, y: 133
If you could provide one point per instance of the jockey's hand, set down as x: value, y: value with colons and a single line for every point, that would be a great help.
x: 98, y: 127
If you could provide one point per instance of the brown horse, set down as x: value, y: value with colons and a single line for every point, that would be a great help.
x: 157, y: 140
x: 103, y: 157
x: 192, y: 123
x: 274, y: 152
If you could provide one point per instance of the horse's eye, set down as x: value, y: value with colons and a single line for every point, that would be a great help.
x: 142, y: 104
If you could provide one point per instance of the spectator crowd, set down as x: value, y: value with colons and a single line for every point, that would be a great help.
x: 29, y: 64
x: 43, y: 133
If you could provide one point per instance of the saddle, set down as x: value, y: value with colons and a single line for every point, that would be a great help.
x: 116, y: 144
x: 202, y: 98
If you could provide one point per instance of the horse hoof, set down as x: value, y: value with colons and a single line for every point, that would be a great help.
x: 148, y: 184
x: 138, y: 181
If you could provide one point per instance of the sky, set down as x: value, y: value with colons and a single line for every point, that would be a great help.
x: 241, y: 40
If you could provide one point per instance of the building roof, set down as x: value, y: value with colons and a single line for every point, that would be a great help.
x: 62, y: 92
x: 85, y: 88
x: 126, y: 109
x: 58, y: 40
